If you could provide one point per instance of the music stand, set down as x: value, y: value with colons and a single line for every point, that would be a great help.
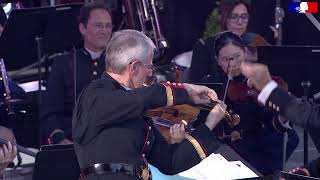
x: 56, y: 26
x: 294, y: 64
x: 56, y: 162
x: 297, y: 65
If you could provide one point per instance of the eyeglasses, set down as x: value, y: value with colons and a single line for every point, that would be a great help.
x: 150, y: 78
x: 234, y: 18
x: 101, y: 25
x: 150, y: 67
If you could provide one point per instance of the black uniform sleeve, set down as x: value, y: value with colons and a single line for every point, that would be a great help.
x: 53, y: 99
x: 298, y: 111
x: 175, y: 158
x: 105, y: 107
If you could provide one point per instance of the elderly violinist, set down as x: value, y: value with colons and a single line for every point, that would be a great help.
x: 112, y: 138
x: 298, y: 111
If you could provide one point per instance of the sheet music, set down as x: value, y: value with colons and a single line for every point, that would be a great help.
x: 240, y: 171
x: 217, y: 167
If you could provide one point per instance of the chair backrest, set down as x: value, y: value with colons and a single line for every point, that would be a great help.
x: 56, y: 162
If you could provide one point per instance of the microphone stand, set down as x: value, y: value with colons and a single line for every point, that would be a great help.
x: 279, y: 15
x: 306, y: 87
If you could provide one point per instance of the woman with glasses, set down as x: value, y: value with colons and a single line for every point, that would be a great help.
x: 234, y: 15
x: 258, y: 137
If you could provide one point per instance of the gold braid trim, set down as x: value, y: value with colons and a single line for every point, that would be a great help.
x: 196, y: 146
x: 169, y: 96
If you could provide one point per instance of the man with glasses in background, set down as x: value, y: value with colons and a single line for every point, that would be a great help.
x: 72, y: 71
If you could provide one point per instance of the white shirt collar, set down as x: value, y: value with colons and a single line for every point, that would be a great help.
x: 94, y: 55
x: 127, y: 88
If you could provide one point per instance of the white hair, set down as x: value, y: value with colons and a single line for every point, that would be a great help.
x: 126, y: 46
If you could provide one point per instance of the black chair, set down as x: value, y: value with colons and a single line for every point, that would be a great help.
x: 56, y: 162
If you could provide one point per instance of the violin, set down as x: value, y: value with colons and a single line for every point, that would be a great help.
x: 238, y: 91
x: 165, y: 117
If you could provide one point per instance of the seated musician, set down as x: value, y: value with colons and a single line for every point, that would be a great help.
x: 258, y: 137
x: 234, y: 15
x: 112, y: 138
x: 64, y: 84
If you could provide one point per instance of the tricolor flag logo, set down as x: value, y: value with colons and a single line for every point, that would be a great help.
x: 303, y: 7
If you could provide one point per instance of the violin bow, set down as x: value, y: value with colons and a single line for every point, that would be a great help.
x: 228, y: 81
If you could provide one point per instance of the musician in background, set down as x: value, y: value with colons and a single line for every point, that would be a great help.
x: 69, y: 74
x: 234, y: 15
x: 112, y: 138
x: 300, y: 112
x: 257, y: 137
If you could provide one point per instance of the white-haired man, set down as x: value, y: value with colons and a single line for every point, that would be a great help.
x: 113, y: 140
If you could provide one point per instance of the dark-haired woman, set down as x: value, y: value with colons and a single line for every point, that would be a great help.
x: 234, y: 15
x: 258, y: 137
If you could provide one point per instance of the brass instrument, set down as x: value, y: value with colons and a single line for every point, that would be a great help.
x: 143, y: 15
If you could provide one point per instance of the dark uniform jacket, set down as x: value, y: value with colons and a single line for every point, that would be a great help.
x: 59, y: 98
x: 108, y: 128
x: 301, y: 113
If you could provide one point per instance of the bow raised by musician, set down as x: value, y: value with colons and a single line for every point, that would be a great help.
x: 299, y: 111
x: 112, y: 138
x: 72, y: 71
x: 233, y: 15
x: 257, y: 137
